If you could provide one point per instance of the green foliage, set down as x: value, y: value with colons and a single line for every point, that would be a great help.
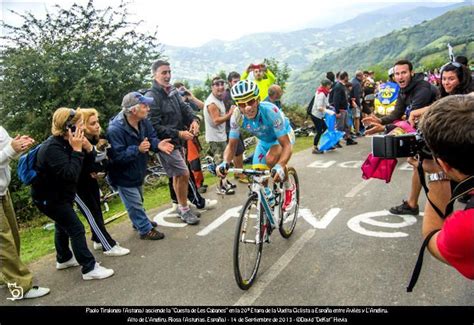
x: 281, y: 71
x: 75, y: 57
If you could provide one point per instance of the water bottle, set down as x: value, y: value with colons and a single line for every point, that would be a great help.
x: 270, y: 197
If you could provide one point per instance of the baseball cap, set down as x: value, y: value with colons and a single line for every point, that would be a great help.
x: 135, y: 98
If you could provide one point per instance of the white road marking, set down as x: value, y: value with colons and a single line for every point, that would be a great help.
x: 355, y: 224
x: 351, y: 164
x: 319, y: 224
x: 249, y: 297
x: 358, y: 187
x: 233, y: 212
x: 168, y: 213
x: 322, y: 164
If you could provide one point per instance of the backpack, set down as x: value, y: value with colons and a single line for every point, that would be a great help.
x: 26, y: 169
x: 310, y: 106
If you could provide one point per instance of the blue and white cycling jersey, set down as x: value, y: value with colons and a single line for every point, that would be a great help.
x: 269, y: 124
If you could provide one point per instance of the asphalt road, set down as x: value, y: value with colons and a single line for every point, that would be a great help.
x: 346, y: 250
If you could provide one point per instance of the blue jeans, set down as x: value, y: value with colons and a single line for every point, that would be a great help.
x: 132, y: 197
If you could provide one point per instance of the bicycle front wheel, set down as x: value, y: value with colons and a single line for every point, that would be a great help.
x: 248, y: 243
x: 289, y: 216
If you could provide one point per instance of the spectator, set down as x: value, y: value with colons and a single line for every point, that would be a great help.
x: 330, y: 75
x: 215, y: 117
x: 232, y: 79
x: 274, y: 95
x: 264, y: 78
x: 356, y: 95
x: 132, y: 136
x: 338, y: 99
x: 462, y: 59
x: 447, y: 128
x: 415, y: 93
x: 320, y: 106
x: 12, y: 270
x: 173, y: 119
x: 88, y: 192
x: 193, y: 146
x: 59, y: 162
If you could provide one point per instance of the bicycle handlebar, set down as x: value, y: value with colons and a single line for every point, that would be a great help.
x: 249, y: 171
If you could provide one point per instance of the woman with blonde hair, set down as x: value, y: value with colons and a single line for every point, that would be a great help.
x: 59, y: 163
x: 88, y: 192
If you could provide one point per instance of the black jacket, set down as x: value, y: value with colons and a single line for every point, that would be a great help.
x: 169, y: 114
x: 59, y: 169
x: 417, y: 94
x: 338, y: 97
x: 86, y: 183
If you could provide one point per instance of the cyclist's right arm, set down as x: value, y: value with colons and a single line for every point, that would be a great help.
x: 234, y: 135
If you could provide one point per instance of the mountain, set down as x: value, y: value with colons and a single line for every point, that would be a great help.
x: 297, y: 48
x: 424, y: 44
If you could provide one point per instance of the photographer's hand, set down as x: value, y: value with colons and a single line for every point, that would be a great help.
x: 374, y: 128
x: 416, y: 114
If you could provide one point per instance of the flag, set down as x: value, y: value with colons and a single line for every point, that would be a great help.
x: 450, y: 53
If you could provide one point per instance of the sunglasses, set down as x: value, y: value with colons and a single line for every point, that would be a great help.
x: 249, y: 103
x: 218, y: 83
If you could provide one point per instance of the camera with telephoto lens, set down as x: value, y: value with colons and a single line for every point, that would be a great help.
x: 398, y: 146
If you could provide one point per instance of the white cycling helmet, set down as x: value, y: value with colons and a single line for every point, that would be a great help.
x: 244, y: 90
x: 391, y: 71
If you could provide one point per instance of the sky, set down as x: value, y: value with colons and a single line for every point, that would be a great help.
x: 192, y: 23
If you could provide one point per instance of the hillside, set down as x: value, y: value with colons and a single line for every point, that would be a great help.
x: 299, y: 48
x: 423, y: 44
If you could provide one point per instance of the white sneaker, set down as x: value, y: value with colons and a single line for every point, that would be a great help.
x: 72, y: 262
x: 36, y: 292
x: 99, y: 272
x: 210, y: 204
x: 97, y: 246
x: 117, y: 251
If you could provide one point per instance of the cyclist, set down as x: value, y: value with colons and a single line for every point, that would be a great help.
x: 270, y: 125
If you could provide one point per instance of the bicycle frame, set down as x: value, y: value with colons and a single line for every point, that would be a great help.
x: 256, y: 186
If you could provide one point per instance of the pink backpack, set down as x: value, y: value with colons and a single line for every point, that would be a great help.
x: 381, y: 168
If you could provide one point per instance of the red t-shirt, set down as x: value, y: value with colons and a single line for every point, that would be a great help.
x: 456, y: 241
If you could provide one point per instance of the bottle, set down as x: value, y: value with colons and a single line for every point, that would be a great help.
x: 270, y: 197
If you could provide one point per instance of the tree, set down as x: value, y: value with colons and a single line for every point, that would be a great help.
x: 76, y: 57
x: 281, y: 71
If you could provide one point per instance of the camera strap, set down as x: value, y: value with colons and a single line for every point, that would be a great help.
x: 464, y: 187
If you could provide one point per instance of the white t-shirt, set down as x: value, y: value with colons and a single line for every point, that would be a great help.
x: 321, y: 100
x: 214, y: 133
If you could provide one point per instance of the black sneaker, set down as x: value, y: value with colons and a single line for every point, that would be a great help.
x: 338, y: 145
x: 153, y: 234
x: 350, y: 142
x: 404, y: 208
x: 230, y: 185
x: 317, y: 152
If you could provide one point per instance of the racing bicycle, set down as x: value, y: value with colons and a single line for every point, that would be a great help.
x: 260, y: 215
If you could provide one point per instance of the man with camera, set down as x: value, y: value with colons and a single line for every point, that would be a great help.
x: 415, y: 93
x: 264, y: 78
x: 448, y: 131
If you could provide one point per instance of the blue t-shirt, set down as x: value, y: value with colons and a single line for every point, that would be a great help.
x: 269, y: 124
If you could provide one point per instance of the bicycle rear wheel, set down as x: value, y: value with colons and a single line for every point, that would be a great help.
x: 248, y: 243
x: 156, y: 178
x: 289, y: 217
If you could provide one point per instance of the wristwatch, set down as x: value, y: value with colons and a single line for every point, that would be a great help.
x: 439, y: 176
